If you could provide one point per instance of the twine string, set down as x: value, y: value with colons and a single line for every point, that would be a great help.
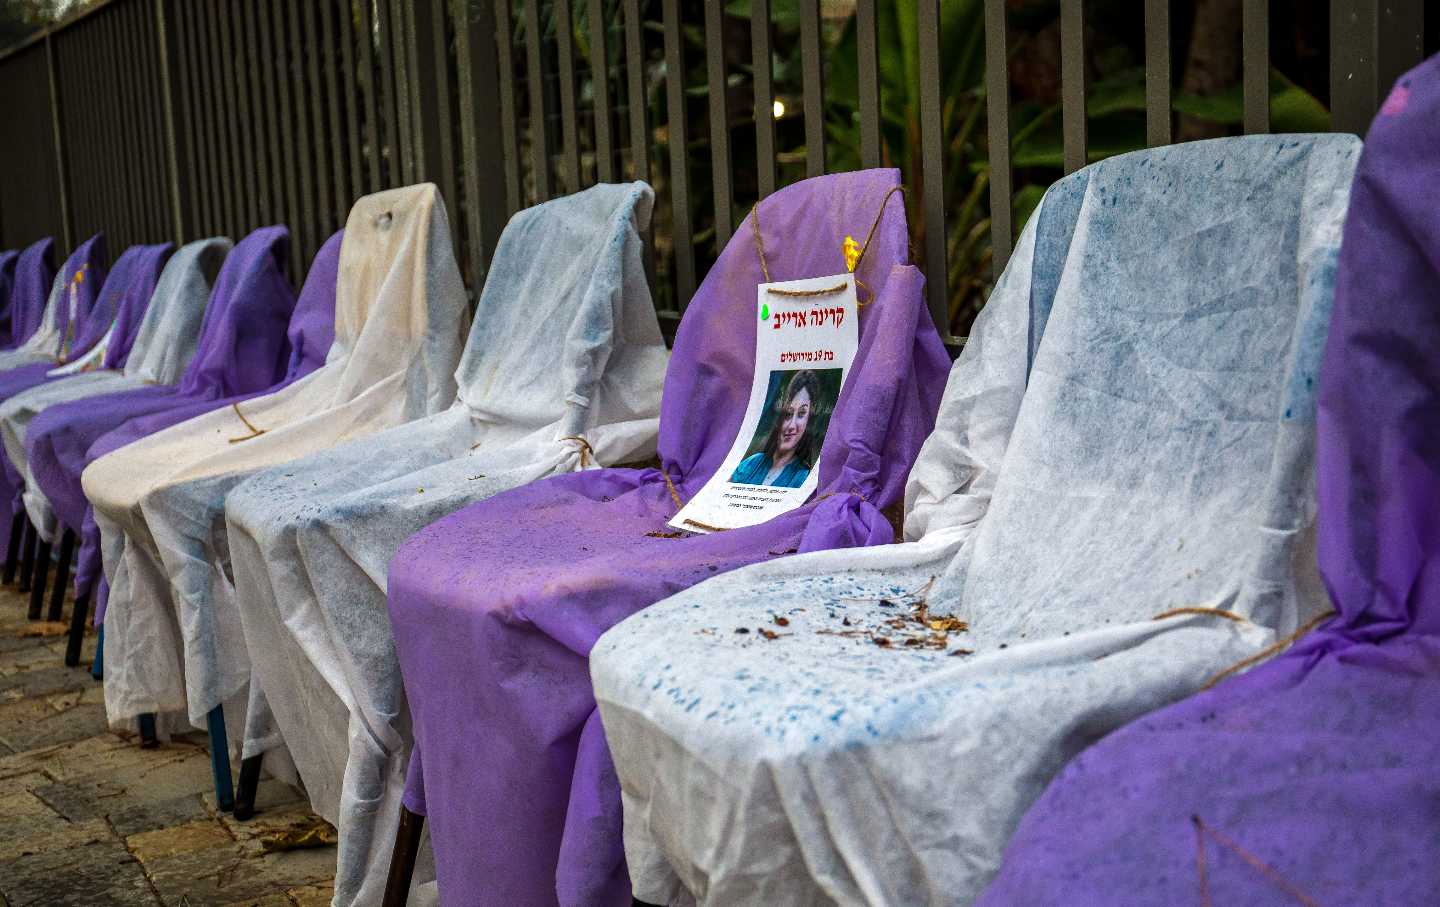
x: 586, y: 451
x: 1270, y: 650
x: 1202, y: 829
x: 254, y: 432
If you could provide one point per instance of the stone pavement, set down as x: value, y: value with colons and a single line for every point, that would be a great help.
x: 88, y: 818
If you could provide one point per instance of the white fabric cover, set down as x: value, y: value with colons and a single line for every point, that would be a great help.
x: 310, y: 541
x: 44, y: 344
x: 164, y: 343
x: 172, y: 635
x: 1144, y: 445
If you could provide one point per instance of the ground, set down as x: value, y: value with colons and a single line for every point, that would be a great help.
x: 88, y: 818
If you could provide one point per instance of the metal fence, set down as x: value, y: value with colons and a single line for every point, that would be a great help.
x: 175, y: 119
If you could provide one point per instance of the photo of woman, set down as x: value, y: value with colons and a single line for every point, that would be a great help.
x: 787, y: 440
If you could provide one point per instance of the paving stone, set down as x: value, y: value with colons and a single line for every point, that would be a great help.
x: 149, y: 815
x: 204, y: 834
x: 71, y: 874
x: 55, y: 726
x: 313, y: 895
x: 209, y: 878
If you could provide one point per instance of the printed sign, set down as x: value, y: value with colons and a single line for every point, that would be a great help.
x: 806, y: 341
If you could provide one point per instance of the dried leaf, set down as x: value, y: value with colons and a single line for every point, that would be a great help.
x: 881, y: 641
x: 315, y: 832
x: 962, y: 652
x: 742, y: 630
x: 45, y: 629
x: 657, y: 534
x: 947, y: 625
x: 782, y: 621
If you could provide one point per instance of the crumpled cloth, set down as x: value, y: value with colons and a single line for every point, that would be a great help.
x: 33, y: 275
x: 1311, y: 775
x: 1128, y: 431
x: 495, y: 607
x: 173, y: 641
x: 253, y: 335
x: 125, y: 307
x: 64, y: 315
x: 310, y: 540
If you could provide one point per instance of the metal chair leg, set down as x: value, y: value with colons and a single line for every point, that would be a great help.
x: 148, y: 738
x: 220, y: 760
x: 97, y: 667
x: 62, y: 575
x: 41, y: 578
x: 27, y: 557
x: 402, y: 859
x: 249, y: 785
x: 78, y: 618
x: 12, y: 552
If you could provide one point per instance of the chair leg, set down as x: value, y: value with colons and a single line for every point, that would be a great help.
x: 41, y: 578
x: 220, y: 760
x: 148, y: 738
x: 249, y: 784
x: 27, y: 557
x: 12, y: 553
x: 78, y: 618
x: 97, y: 667
x: 62, y: 575
x: 402, y: 859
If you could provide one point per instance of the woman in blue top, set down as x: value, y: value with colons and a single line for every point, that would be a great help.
x: 789, y: 452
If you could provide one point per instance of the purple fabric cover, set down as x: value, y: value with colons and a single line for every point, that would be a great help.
x: 8, y: 260
x: 130, y: 311
x: 242, y: 349
x: 1311, y: 777
x: 91, y: 255
x: 495, y: 608
x: 31, y: 297
x: 34, y: 273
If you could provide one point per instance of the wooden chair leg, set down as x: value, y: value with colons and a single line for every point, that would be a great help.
x: 12, y: 552
x: 97, y: 667
x: 402, y: 859
x: 41, y: 578
x: 27, y: 557
x: 220, y: 760
x: 62, y: 575
x: 148, y: 738
x: 249, y: 785
x: 78, y: 618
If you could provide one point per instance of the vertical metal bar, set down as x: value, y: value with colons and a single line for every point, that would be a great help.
x: 569, y: 126
x: 434, y: 89
x: 224, y: 140
x: 475, y: 56
x: 932, y: 164
x: 1157, y: 71
x: 1400, y: 41
x: 423, y: 169
x: 386, y: 49
x: 325, y: 212
x: 165, y: 43
x: 304, y: 136
x: 202, y: 148
x: 1255, y: 64
x: 125, y: 96
x: 814, y: 87
x: 868, y: 68
x: 291, y: 152
x: 61, y: 168
x: 367, y: 89
x: 719, y: 123
x: 402, y: 141
x: 764, y: 86
x: 600, y: 78
x: 678, y: 139
x: 336, y: 139
x: 349, y: 85
x: 239, y: 116
x: 268, y: 91
x: 1072, y: 82
x: 535, y: 76
x: 248, y: 51
x: 997, y: 117
x: 635, y: 91
x: 509, y: 124
x: 159, y: 223
x: 1353, y: 86
x: 143, y: 128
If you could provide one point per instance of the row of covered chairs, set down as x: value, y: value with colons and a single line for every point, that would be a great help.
x: 371, y: 543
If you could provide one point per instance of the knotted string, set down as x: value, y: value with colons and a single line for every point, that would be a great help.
x: 586, y: 451
x: 1269, y: 650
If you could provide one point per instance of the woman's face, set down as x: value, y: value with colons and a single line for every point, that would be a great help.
x: 796, y: 419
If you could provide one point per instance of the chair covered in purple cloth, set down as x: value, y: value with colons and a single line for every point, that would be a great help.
x: 495, y: 607
x: 33, y: 276
x: 8, y: 260
x: 1311, y: 779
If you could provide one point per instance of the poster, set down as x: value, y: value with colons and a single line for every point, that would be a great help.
x: 806, y: 341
